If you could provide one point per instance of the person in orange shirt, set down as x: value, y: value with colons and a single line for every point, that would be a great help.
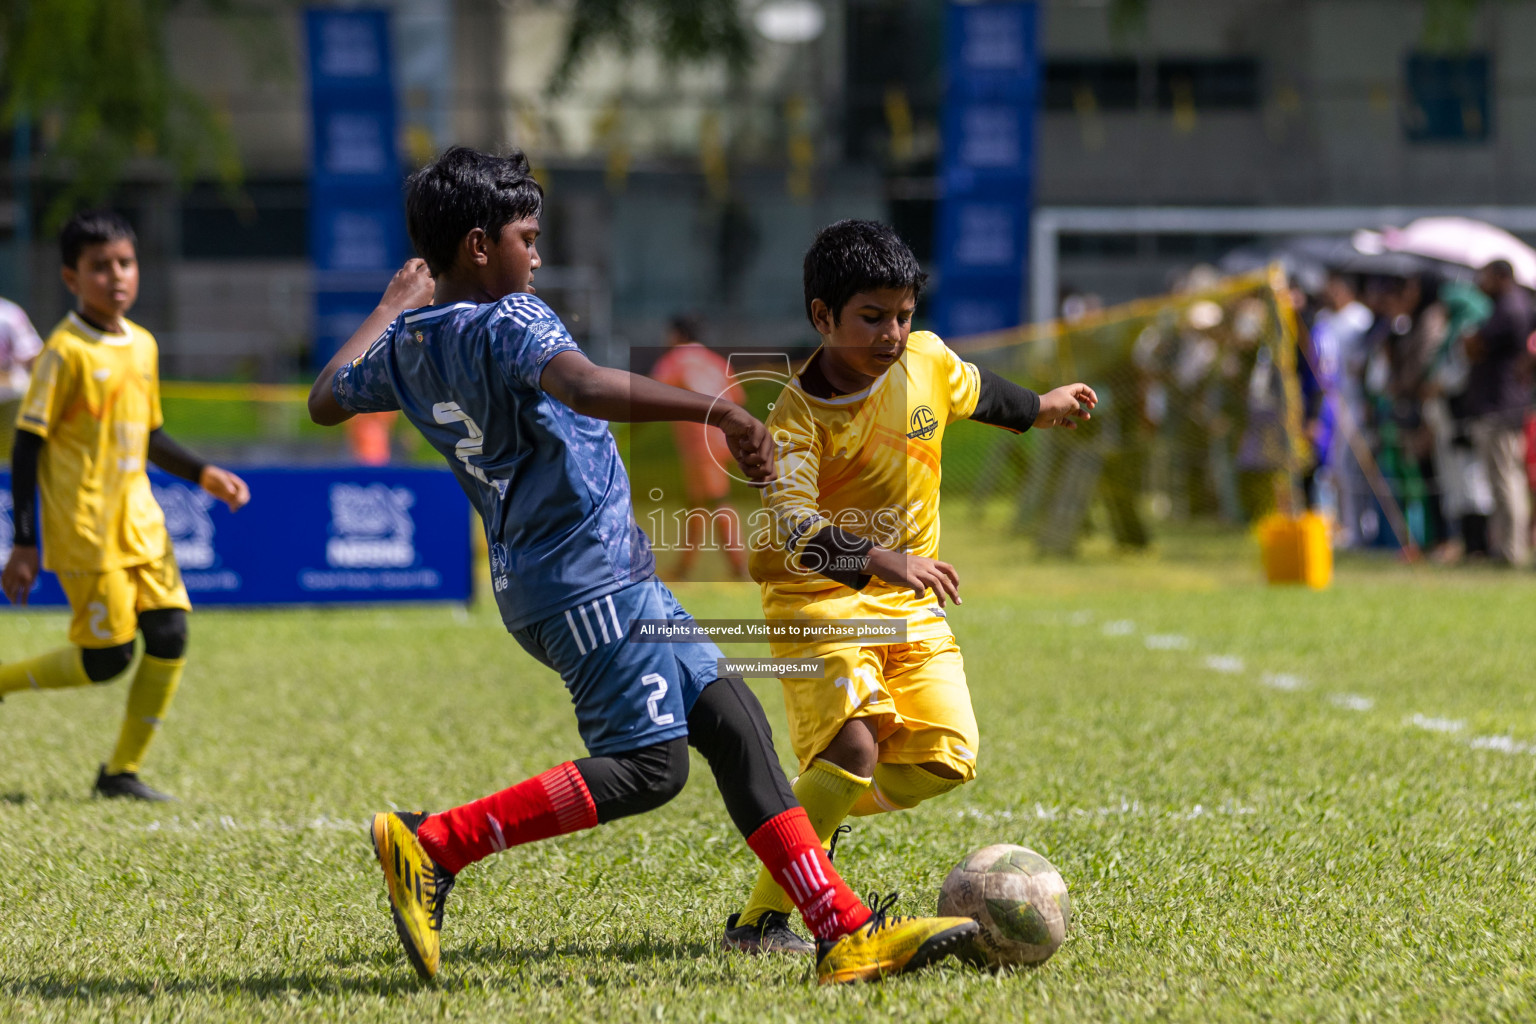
x: 701, y: 449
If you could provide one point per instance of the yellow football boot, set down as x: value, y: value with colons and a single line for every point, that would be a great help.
x: 886, y: 945
x: 418, y: 888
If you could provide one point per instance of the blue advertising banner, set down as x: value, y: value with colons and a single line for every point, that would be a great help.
x: 356, y: 223
x: 310, y: 536
x: 991, y: 91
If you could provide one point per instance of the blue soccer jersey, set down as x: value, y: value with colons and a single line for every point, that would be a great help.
x: 547, y: 481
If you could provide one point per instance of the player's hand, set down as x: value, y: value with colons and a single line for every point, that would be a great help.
x: 921, y: 574
x: 1066, y: 406
x: 225, y: 486
x: 412, y: 286
x: 750, y: 445
x: 19, y: 575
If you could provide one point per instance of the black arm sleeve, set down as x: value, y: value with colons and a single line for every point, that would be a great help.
x: 1003, y: 403
x: 838, y: 555
x: 24, y: 487
x: 173, y: 458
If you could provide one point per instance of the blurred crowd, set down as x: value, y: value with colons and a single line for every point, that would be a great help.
x: 1418, y: 392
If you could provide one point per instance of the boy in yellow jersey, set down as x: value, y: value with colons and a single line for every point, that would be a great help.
x: 90, y: 419
x: 855, y: 530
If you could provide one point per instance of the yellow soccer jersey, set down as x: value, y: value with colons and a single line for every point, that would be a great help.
x: 869, y: 464
x: 94, y: 398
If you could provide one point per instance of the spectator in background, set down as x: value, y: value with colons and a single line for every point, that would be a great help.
x: 1415, y: 337
x: 1339, y: 338
x: 1465, y: 498
x: 19, y: 349
x: 1496, y: 398
x: 701, y: 449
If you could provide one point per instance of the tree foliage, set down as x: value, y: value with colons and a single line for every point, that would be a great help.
x: 94, y: 78
x: 685, y: 31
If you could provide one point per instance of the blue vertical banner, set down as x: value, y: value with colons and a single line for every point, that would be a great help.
x: 356, y: 222
x: 987, y: 169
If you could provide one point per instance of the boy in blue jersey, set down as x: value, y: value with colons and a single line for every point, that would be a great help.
x: 492, y: 379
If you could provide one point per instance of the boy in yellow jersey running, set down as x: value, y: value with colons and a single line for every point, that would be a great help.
x: 90, y: 419
x: 855, y: 530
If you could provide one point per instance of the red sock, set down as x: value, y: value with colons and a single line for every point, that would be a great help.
x: 789, y: 849
x: 546, y: 805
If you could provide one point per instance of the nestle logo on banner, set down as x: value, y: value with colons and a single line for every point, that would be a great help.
x: 371, y: 527
x: 189, y: 524
x: 499, y: 579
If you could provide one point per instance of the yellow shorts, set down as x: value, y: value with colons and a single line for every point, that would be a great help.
x: 916, y: 690
x: 106, y: 605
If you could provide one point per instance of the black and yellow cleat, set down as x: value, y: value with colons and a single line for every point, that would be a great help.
x: 418, y: 888
x: 887, y: 944
x: 771, y: 934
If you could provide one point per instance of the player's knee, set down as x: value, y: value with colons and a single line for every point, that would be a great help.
x: 900, y: 787
x: 165, y: 633
x: 641, y: 780
x: 725, y: 718
x: 854, y: 749
x: 667, y: 772
x: 104, y: 664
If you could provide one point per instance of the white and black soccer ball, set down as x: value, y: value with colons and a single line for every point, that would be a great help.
x: 1019, y: 899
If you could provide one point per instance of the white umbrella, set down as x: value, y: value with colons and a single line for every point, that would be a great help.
x: 1471, y: 243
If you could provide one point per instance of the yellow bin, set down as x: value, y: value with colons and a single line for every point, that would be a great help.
x: 1296, y: 549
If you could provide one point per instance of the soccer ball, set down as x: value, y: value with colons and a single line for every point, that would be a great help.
x: 1017, y: 897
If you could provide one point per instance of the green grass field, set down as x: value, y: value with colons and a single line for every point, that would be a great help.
x: 1268, y: 803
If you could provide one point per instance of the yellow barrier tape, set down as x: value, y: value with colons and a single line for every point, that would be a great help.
x: 210, y: 391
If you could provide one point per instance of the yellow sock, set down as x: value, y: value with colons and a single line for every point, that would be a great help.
x: 55, y: 670
x: 826, y: 792
x: 901, y: 787
x: 154, y: 684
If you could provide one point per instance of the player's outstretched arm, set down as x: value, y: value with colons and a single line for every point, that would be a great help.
x: 410, y: 287
x: 179, y: 462
x: 616, y: 395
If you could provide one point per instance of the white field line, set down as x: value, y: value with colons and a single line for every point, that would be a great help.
x: 227, y: 823
x: 1283, y: 681
x: 1435, y: 724
x: 1167, y: 642
x: 1290, y: 683
x: 1124, y: 809
x: 1502, y: 744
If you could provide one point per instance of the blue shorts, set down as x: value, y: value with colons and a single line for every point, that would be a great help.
x: 628, y: 695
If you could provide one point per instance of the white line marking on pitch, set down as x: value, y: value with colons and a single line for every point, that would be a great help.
x: 1283, y: 681
x: 1125, y: 808
x: 1436, y: 724
x: 1224, y: 663
x: 1352, y: 702
x: 1167, y: 642
x: 1120, y: 627
x: 1502, y: 744
x: 226, y: 823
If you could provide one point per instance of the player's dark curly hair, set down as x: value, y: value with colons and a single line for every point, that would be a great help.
x: 462, y: 190
x: 853, y: 256
x: 92, y: 227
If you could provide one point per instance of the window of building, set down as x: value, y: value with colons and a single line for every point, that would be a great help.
x: 1069, y: 83
x: 1209, y: 83
x: 1448, y: 98
x: 269, y: 221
